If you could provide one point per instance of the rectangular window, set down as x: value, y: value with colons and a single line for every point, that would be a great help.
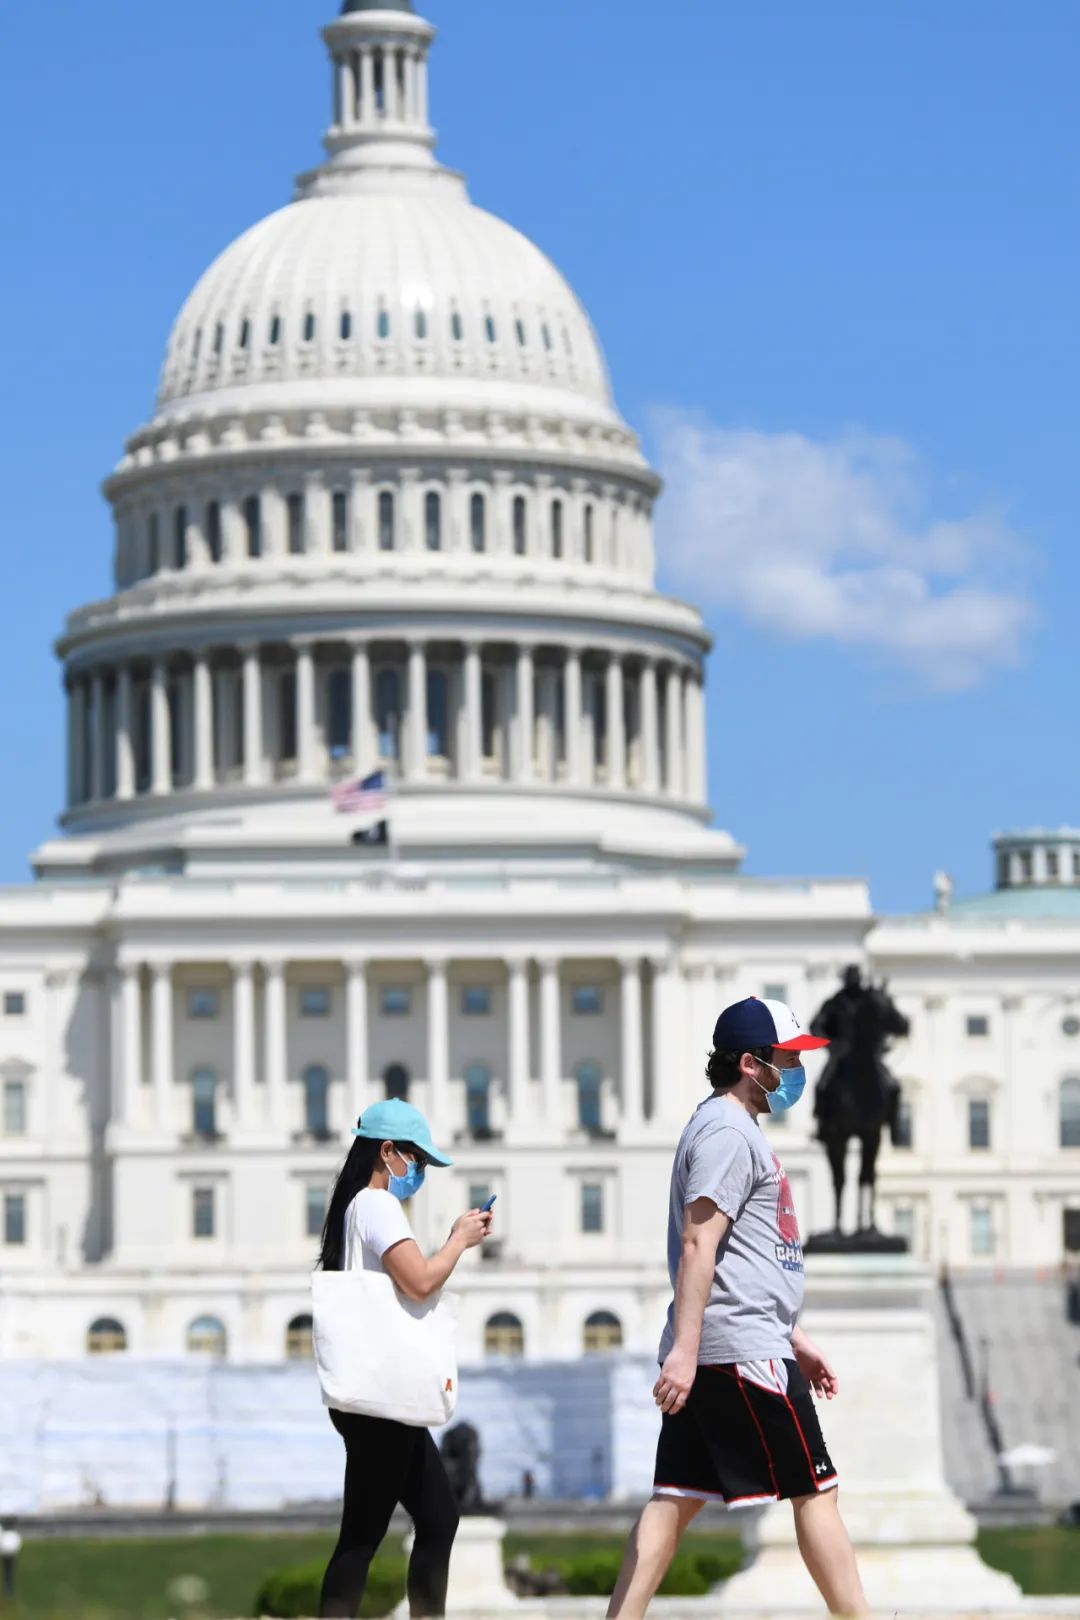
x: 14, y: 1003
x: 475, y: 1000
x: 386, y: 520
x: 202, y: 1002
x: 774, y: 992
x: 253, y: 525
x: 982, y: 1230
x: 341, y: 520
x: 903, y: 1224
x: 14, y: 1218
x: 295, y: 506
x: 978, y: 1024
x: 394, y: 1001
x: 588, y: 999
x: 14, y: 1108
x: 202, y: 1212
x: 204, y: 1103
x: 592, y: 1206
x: 480, y: 1192
x: 904, y: 1132
x: 978, y: 1122
x: 1070, y: 1224
x: 1052, y: 864
x: 314, y: 1210
x: 314, y: 1001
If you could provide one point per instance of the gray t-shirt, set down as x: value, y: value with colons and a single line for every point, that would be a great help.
x: 757, y: 1288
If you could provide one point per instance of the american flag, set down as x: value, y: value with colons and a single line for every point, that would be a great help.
x: 368, y: 794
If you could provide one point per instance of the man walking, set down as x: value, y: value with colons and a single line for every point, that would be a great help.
x: 736, y: 1375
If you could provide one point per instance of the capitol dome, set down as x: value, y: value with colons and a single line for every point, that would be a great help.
x: 352, y: 293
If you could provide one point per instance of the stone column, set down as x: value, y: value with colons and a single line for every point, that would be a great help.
x: 195, y: 547
x: 616, y: 724
x: 275, y: 1032
x: 694, y: 734
x: 76, y: 741
x: 650, y: 731
x: 317, y: 508
x: 275, y: 521
x: 518, y: 1054
x: 473, y: 718
x: 305, y: 711
x: 416, y: 714
x: 356, y: 1036
x: 97, y: 735
x: 367, y: 87
x: 546, y: 723
x: 438, y: 1043
x: 128, y: 1062
x: 125, y: 753
x: 666, y: 1062
x: 233, y: 532
x: 161, y: 1023
x: 363, y: 744
x: 630, y: 1054
x: 253, y: 716
x: 203, y: 685
x: 243, y: 1044
x: 673, y: 765
x: 572, y: 714
x: 346, y: 91
x: 160, y: 730
x: 551, y: 1044
x: 526, y: 719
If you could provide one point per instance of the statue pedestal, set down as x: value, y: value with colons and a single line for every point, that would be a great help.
x: 477, y: 1584
x: 871, y: 1316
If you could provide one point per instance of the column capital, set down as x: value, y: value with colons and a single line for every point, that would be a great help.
x: 273, y: 966
x: 359, y: 640
x: 516, y: 965
x: 249, y: 648
x: 161, y: 970
x: 435, y: 963
x: 241, y: 966
x: 127, y: 970
x: 302, y: 643
x: 629, y: 964
x: 549, y: 964
x: 355, y: 966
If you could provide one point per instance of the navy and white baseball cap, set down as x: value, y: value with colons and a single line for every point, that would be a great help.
x: 757, y: 1022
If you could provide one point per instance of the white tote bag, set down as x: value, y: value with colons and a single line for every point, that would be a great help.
x: 382, y: 1354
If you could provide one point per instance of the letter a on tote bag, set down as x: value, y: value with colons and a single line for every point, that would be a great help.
x: 382, y: 1354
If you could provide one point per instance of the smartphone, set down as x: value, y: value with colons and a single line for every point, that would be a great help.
x: 485, y: 1209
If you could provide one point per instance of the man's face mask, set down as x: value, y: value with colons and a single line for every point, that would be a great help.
x: 791, y: 1087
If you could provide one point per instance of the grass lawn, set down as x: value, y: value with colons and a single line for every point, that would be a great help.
x: 144, y: 1580
x: 1044, y: 1559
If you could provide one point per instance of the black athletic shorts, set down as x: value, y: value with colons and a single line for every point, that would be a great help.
x: 747, y: 1434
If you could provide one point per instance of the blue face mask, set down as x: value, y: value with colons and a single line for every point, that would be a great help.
x: 791, y: 1087
x: 405, y: 1186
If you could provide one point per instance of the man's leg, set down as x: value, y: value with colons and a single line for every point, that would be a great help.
x: 828, y: 1554
x: 653, y: 1543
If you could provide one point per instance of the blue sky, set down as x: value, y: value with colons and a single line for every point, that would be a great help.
x: 831, y: 252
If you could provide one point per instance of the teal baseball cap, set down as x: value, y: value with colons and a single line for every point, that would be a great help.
x: 398, y: 1121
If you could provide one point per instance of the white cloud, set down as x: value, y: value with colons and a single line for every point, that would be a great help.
x: 838, y: 540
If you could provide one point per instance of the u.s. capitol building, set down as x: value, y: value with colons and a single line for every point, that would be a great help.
x: 387, y: 515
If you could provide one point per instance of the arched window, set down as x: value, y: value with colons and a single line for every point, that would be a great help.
x: 603, y: 1332
x: 253, y: 525
x: 345, y: 326
x: 295, y: 509
x: 219, y: 337
x: 589, y: 543
x: 245, y: 334
x: 478, y: 1099
x: 432, y: 521
x: 105, y: 1337
x: 489, y: 328
x: 545, y: 332
x: 298, y: 1344
x: 388, y: 712
x: 588, y: 1096
x: 519, y: 525
x: 519, y: 329
x: 179, y: 537
x: 207, y: 1337
x: 213, y: 530
x: 339, y: 713
x: 204, y: 1102
x: 478, y: 522
x: 457, y: 327
x: 556, y: 528
x: 1069, y: 1113
x: 316, y: 1095
x: 382, y: 324
x: 386, y: 520
x: 420, y: 325
x: 396, y: 1081
x: 438, y: 714
x: 275, y: 331
x: 309, y: 327
x: 504, y: 1335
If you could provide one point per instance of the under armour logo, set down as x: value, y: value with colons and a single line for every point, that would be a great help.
x: 821, y: 1468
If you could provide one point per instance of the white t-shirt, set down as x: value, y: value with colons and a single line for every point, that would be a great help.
x: 374, y: 1222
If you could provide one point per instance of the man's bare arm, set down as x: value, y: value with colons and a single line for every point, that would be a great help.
x: 704, y: 1229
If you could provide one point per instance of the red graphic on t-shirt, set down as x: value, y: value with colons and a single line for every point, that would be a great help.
x: 786, y: 1219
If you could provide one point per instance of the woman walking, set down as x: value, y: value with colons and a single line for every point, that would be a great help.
x: 388, y: 1462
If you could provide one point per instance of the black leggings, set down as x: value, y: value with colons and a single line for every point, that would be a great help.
x: 387, y: 1463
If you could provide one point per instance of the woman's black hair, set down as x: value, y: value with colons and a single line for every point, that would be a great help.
x: 722, y: 1070
x: 360, y: 1164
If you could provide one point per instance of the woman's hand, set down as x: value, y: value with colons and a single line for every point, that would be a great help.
x: 472, y: 1227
